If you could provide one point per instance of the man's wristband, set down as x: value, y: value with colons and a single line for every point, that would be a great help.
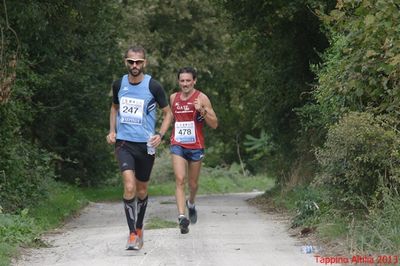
x: 161, y: 135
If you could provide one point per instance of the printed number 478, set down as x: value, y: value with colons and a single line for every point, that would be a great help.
x: 185, y: 132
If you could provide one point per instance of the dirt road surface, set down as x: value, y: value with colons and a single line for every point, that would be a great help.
x: 228, y: 232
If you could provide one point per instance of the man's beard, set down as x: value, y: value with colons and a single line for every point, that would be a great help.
x: 135, y: 71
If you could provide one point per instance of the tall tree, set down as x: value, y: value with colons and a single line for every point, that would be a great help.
x: 70, y: 53
x: 285, y: 38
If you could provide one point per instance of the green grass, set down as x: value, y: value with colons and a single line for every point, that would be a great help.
x: 207, y: 185
x: 309, y: 207
x: 379, y: 231
x: 25, y: 228
x: 162, y: 182
x: 6, y: 252
x: 333, y: 227
x: 376, y: 231
x: 114, y: 192
x: 62, y: 203
x: 158, y: 223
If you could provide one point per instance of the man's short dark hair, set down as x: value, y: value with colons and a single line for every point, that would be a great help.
x: 190, y: 70
x: 136, y: 49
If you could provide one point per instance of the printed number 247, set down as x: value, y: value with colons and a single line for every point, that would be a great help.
x: 127, y: 109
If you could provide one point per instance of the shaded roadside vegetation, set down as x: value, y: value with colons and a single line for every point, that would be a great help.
x: 350, y: 124
x: 23, y: 229
x: 306, y: 91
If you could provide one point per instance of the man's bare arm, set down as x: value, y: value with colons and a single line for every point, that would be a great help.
x: 206, y: 110
x: 111, y: 137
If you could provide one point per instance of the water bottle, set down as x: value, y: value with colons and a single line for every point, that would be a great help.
x: 307, y: 249
x: 150, y: 149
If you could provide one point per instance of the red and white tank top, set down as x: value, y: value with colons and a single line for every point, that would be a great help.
x: 188, y: 127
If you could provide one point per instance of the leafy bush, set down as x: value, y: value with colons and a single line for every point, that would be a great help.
x: 306, y: 209
x: 362, y: 67
x: 361, y: 74
x: 307, y: 203
x: 24, y: 168
x: 17, y: 228
x: 24, y: 176
x: 360, y: 155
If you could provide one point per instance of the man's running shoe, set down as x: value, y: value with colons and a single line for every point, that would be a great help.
x: 192, y: 213
x: 132, y: 241
x: 184, y: 225
x: 139, y: 236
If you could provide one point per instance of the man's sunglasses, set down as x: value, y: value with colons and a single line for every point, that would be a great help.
x: 133, y: 61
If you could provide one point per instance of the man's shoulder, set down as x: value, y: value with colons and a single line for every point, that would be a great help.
x: 155, y: 86
x: 116, y: 85
x: 202, y: 94
x: 154, y: 82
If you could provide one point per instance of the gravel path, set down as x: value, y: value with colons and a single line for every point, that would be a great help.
x: 228, y: 232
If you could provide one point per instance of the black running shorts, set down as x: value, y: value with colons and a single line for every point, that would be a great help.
x: 133, y: 156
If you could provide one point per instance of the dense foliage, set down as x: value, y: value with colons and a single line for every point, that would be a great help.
x: 361, y: 72
x: 53, y: 113
x: 356, y: 116
x: 346, y: 115
x: 25, y: 169
x: 279, y: 39
x: 359, y: 158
